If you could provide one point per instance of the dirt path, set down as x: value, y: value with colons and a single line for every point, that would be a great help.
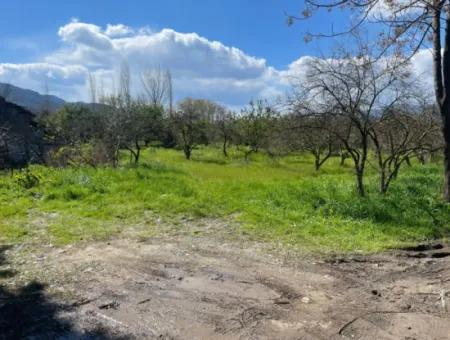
x: 201, y: 288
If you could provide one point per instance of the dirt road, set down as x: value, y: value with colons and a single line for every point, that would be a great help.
x: 205, y: 288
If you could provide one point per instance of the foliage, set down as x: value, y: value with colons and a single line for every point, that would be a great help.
x: 26, y: 179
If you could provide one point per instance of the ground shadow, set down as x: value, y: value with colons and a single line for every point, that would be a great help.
x: 27, y: 312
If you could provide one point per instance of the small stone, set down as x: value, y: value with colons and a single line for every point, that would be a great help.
x: 305, y: 299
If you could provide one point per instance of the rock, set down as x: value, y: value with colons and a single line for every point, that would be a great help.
x: 305, y: 299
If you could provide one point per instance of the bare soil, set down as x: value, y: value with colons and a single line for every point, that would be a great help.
x: 206, y: 287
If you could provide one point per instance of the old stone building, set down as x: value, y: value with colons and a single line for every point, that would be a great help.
x: 19, y: 136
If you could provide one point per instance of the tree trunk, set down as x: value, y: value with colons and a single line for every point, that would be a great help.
x: 343, y: 158
x: 187, y: 152
x: 317, y: 163
x: 383, y: 187
x: 360, y: 182
x: 408, y: 161
x: 441, y: 69
x: 224, y: 147
x: 361, y: 165
x: 446, y: 128
x: 137, y: 154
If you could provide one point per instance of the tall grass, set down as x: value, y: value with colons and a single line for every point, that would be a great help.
x: 282, y: 200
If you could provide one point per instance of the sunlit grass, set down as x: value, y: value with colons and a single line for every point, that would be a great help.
x: 282, y: 200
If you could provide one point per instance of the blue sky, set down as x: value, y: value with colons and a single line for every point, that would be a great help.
x: 240, y: 50
x: 258, y: 27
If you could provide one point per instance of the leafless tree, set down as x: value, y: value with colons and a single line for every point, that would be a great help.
x: 170, y: 90
x: 157, y: 84
x: 400, y: 135
x: 318, y: 141
x: 350, y: 91
x: 125, y: 83
x: 225, y: 122
x: 405, y: 26
x: 92, y: 87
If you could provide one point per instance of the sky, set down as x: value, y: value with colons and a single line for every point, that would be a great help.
x: 230, y: 51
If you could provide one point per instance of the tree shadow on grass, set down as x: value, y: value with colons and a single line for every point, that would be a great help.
x: 27, y: 313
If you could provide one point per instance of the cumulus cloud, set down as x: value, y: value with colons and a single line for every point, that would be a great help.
x: 64, y: 81
x: 118, y: 30
x: 389, y: 9
x: 82, y: 34
x: 200, y: 67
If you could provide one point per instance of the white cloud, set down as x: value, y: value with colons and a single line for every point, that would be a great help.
x: 388, y: 9
x: 64, y: 81
x: 83, y: 34
x: 200, y: 67
x: 118, y: 30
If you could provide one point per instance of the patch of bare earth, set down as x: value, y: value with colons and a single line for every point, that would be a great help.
x: 188, y: 287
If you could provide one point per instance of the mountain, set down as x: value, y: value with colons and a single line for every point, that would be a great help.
x: 33, y: 101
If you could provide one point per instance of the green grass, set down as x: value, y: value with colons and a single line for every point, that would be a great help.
x: 281, y: 201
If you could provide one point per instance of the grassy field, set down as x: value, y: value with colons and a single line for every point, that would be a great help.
x: 281, y: 201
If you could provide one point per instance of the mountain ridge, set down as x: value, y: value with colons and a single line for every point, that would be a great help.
x: 31, y: 100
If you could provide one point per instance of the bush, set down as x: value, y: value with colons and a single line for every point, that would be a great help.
x: 79, y: 155
x: 26, y: 179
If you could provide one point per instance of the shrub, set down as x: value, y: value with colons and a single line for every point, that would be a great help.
x: 26, y: 179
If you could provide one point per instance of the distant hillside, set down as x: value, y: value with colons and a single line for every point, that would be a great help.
x: 33, y: 101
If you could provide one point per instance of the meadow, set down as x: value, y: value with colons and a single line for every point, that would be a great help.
x: 276, y: 200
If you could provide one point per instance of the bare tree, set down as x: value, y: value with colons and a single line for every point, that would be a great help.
x: 170, y: 90
x: 157, y: 85
x: 398, y: 136
x: 407, y: 26
x: 226, y: 125
x: 125, y: 83
x: 318, y: 141
x: 92, y: 87
x: 351, y: 91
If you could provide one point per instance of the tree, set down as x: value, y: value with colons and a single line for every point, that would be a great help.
x: 77, y: 134
x: 406, y: 26
x: 400, y: 135
x: 225, y: 122
x: 254, y: 125
x: 350, y: 92
x: 142, y: 125
x: 157, y: 86
x: 318, y: 141
x: 189, y: 125
x: 4, y: 148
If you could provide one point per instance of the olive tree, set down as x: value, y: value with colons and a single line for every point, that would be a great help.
x: 189, y: 125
